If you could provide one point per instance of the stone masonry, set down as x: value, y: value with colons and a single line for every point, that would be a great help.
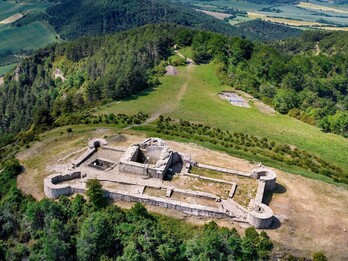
x: 146, y: 165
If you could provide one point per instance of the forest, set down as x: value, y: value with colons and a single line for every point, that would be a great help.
x: 304, y: 84
x: 76, y: 18
x: 309, y: 83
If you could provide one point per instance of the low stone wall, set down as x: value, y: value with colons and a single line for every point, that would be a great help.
x: 197, y: 210
x: 224, y: 170
x: 197, y: 194
x: 208, y: 179
x: 85, y: 156
x: 52, y: 187
x: 261, y: 216
x: 266, y: 175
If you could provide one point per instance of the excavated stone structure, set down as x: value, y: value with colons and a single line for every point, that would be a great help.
x: 152, y: 158
x: 145, y: 165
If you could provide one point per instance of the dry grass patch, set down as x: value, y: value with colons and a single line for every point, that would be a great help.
x: 12, y: 18
x: 321, y: 8
x: 217, y: 15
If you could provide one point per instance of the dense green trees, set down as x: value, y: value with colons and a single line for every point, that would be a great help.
x: 311, y: 86
x: 75, y: 18
x: 95, y: 193
x: 96, y: 70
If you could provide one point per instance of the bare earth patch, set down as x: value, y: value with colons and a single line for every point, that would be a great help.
x: 171, y: 70
x: 1, y: 80
x: 12, y: 18
x: 313, y: 215
x: 264, y: 108
x: 217, y: 15
x: 259, y: 104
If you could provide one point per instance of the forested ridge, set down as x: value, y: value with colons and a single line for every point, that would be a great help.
x: 310, y: 86
x: 95, y: 70
x: 76, y: 18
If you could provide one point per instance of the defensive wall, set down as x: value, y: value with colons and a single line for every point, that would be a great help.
x: 258, y: 214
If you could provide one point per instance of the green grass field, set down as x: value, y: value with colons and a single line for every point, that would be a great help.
x: 192, y: 95
x: 28, y: 37
x: 6, y: 69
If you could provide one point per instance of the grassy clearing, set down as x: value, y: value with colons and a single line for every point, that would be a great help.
x: 28, y: 37
x: 6, y: 69
x: 217, y: 15
x: 187, y: 52
x: 201, y: 104
x: 150, y: 100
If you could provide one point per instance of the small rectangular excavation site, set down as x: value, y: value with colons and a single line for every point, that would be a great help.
x: 100, y: 164
x: 235, y: 99
x: 151, y: 173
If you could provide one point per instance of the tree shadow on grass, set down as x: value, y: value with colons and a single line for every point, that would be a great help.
x: 140, y: 94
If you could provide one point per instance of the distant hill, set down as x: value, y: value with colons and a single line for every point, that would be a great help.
x: 325, y: 42
x: 75, y: 18
x: 268, y: 31
x: 273, y: 2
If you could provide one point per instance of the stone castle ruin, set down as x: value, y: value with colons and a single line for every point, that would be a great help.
x: 152, y: 158
x: 151, y: 173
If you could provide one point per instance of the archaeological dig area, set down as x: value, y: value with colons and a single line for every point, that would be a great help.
x: 152, y: 173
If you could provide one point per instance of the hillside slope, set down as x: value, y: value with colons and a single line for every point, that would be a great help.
x: 75, y: 18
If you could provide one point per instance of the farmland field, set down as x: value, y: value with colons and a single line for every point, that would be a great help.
x: 7, y: 68
x: 28, y: 37
x: 9, y: 8
x: 307, y: 14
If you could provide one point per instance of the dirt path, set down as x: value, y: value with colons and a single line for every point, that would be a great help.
x: 169, y: 107
x: 317, y: 49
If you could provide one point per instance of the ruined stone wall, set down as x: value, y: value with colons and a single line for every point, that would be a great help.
x: 52, y: 187
x: 85, y: 156
x: 133, y: 167
x: 167, y: 203
x: 266, y: 175
x: 261, y: 216
x: 224, y: 170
